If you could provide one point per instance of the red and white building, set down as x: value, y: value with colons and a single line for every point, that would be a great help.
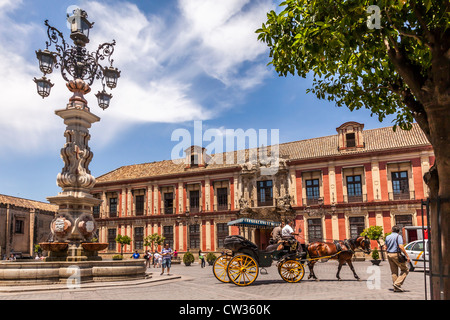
x: 334, y: 187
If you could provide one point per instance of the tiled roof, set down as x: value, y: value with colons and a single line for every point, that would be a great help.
x: 25, y: 203
x: 375, y: 140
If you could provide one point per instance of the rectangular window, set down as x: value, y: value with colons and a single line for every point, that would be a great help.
x: 168, y: 234
x: 315, y: 230
x: 139, y: 238
x: 139, y: 205
x: 96, y: 211
x: 168, y: 203
x: 112, y: 239
x: 194, y: 201
x: 400, y: 185
x: 222, y: 198
x: 403, y: 220
x: 113, y: 207
x: 354, y: 188
x: 265, y: 193
x: 312, y: 191
x: 357, y: 226
x: 19, y: 226
x: 222, y: 233
x: 194, y: 160
x: 351, y: 142
x: 194, y: 236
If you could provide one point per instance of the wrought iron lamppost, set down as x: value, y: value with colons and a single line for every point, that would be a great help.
x: 74, y: 223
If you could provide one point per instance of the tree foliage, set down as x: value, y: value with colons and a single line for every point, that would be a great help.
x: 373, y: 232
x: 384, y: 70
x: 153, y: 239
x: 122, y: 240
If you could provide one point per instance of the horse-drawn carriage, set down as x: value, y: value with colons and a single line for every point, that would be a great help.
x: 242, y: 265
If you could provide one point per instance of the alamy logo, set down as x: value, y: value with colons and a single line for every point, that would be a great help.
x: 230, y: 146
x: 374, y: 279
x: 74, y: 280
x: 373, y: 20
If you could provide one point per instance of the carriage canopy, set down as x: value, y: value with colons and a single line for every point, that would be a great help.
x: 254, y: 223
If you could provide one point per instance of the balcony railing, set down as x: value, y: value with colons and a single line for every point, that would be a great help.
x: 355, y: 198
x: 406, y: 195
x: 222, y: 207
x: 168, y: 210
x: 194, y: 209
x: 312, y: 201
x: 139, y: 212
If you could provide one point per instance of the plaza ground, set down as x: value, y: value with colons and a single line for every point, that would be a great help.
x: 196, y: 283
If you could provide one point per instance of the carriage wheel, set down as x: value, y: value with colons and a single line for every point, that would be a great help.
x: 242, y: 270
x: 291, y: 271
x: 220, y: 268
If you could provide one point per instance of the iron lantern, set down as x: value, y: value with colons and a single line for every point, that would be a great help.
x: 46, y: 61
x: 103, y: 99
x: 111, y: 75
x: 79, y: 25
x: 44, y: 86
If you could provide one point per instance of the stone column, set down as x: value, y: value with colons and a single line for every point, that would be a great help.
x: 74, y: 222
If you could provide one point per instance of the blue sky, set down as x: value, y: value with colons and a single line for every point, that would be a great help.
x: 181, y: 61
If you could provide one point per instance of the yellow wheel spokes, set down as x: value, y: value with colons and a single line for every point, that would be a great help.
x: 242, y: 270
x: 220, y: 268
x: 291, y: 271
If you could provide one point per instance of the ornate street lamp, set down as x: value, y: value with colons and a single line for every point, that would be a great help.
x: 76, y: 63
x: 74, y: 224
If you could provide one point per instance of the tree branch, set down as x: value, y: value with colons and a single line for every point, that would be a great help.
x: 429, y: 35
x: 413, y: 105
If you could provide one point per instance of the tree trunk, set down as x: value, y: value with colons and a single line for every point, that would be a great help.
x: 438, y: 180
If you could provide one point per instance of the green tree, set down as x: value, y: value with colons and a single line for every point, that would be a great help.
x: 122, y: 240
x: 401, y: 68
x: 153, y: 239
x: 374, y: 233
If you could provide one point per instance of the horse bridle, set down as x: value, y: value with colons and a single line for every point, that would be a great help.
x: 366, y: 248
x: 351, y: 244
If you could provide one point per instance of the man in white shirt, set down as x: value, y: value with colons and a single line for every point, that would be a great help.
x: 288, y: 231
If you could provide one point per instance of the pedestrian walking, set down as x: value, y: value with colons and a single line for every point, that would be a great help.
x: 202, y: 258
x: 397, y: 257
x: 156, y: 260
x: 147, y: 257
x: 166, y: 258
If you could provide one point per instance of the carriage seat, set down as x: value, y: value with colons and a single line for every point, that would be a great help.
x: 271, y: 248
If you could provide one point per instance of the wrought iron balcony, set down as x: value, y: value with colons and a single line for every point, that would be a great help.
x: 355, y: 198
x: 403, y: 195
x: 222, y: 207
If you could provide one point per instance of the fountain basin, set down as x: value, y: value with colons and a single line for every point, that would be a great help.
x: 94, y: 246
x: 54, y: 246
x: 14, y: 273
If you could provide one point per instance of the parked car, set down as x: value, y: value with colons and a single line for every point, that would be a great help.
x: 417, y: 254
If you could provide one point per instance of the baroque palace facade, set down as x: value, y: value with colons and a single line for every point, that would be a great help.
x: 333, y: 187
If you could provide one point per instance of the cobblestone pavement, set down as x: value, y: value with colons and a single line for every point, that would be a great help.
x: 196, y: 283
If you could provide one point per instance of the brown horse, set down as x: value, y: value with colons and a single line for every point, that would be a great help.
x: 343, y: 251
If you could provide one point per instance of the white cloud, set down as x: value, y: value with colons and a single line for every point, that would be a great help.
x: 225, y: 33
x: 160, y: 60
